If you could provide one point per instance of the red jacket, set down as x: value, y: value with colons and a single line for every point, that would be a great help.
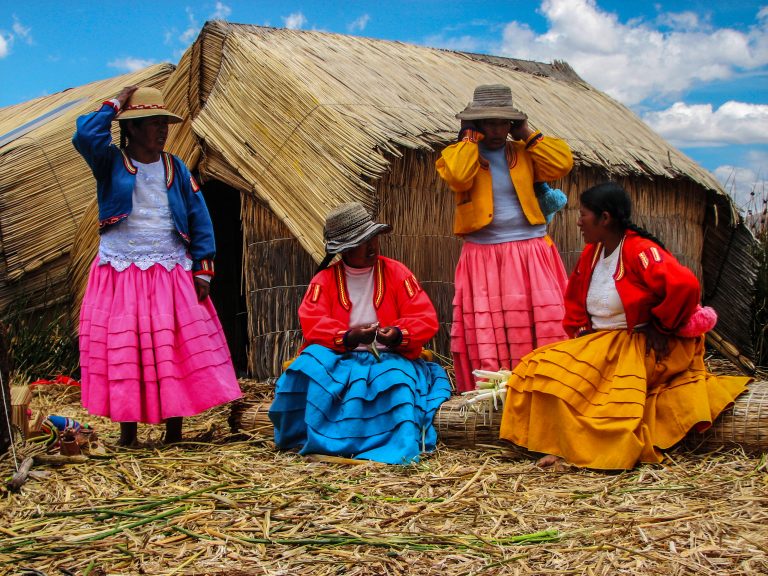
x: 653, y: 287
x: 397, y: 297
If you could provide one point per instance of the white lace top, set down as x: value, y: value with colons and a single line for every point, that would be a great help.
x: 148, y: 236
x: 603, y: 301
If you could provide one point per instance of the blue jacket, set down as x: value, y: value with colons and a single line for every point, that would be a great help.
x: 115, y: 178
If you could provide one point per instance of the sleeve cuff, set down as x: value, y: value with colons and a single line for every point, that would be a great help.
x: 114, y: 103
x: 204, y: 268
x: 533, y: 139
x: 470, y: 135
x: 661, y: 328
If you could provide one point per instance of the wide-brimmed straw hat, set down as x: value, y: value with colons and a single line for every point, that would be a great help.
x: 348, y: 226
x: 145, y: 102
x: 491, y: 101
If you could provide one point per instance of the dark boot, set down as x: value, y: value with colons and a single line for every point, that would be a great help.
x: 127, y: 433
x: 173, y: 430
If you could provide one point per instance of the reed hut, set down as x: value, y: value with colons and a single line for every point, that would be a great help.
x: 285, y: 124
x: 45, y: 187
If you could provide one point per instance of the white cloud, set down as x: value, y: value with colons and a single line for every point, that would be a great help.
x: 680, y: 20
x: 747, y: 186
x: 295, y: 21
x: 21, y: 31
x: 699, y: 125
x: 130, y: 64
x: 464, y: 43
x: 190, y: 33
x: 221, y: 12
x: 637, y: 60
x: 359, y: 24
x: 4, y: 46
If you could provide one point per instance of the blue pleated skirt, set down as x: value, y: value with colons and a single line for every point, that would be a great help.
x: 356, y: 406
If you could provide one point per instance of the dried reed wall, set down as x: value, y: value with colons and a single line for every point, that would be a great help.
x: 413, y: 199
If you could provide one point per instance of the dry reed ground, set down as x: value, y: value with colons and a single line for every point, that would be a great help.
x: 236, y: 506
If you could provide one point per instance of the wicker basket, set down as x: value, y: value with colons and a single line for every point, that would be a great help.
x: 744, y: 424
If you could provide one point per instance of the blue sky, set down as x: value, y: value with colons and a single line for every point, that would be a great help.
x: 695, y: 70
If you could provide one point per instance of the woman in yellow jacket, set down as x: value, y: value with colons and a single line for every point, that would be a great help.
x: 510, y: 279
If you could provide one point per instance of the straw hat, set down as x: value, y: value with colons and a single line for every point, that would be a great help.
x: 491, y: 101
x: 348, y: 226
x: 145, y: 102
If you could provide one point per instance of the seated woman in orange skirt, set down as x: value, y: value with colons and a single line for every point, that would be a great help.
x: 632, y: 381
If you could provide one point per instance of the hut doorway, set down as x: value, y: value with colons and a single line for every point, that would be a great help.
x: 226, y: 291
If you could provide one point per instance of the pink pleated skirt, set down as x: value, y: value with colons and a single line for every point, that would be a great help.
x: 508, y: 301
x: 148, y: 349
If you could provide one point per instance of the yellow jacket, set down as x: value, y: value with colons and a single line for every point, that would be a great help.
x: 538, y: 159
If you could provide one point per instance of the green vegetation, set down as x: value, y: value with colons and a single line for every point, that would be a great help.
x: 41, y: 342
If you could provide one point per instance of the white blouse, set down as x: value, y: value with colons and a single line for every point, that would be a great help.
x: 603, y: 302
x: 148, y: 236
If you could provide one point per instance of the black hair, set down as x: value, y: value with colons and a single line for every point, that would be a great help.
x: 124, y: 129
x: 324, y: 264
x: 612, y: 198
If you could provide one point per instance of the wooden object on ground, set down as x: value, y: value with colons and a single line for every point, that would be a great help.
x: 463, y: 425
x: 21, y: 397
x: 21, y: 476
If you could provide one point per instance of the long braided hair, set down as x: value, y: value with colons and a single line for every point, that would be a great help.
x: 612, y: 198
x: 123, y: 134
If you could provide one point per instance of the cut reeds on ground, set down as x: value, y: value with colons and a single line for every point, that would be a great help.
x: 234, y: 505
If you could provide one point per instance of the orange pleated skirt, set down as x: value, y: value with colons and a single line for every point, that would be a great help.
x: 600, y: 402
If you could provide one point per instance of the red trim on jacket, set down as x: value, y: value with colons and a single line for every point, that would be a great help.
x: 325, y: 310
x: 652, y: 284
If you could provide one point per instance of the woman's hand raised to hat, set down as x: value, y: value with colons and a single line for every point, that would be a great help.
x: 125, y: 94
x: 519, y: 130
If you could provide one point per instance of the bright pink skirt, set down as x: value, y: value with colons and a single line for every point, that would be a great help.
x: 508, y: 301
x: 148, y: 349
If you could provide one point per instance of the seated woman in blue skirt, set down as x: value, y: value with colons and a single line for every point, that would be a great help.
x: 359, y: 389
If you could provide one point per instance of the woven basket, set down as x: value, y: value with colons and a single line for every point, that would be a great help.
x: 464, y: 425
x: 744, y: 424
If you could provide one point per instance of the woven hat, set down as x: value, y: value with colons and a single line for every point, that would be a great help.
x: 145, y: 102
x: 491, y: 101
x: 348, y: 226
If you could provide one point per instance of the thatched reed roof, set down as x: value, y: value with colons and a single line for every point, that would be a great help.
x: 45, y: 186
x: 305, y: 120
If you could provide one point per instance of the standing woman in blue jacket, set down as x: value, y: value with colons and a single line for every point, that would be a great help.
x: 151, y: 345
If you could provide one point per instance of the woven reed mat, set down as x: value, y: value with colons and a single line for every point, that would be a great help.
x: 464, y: 425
